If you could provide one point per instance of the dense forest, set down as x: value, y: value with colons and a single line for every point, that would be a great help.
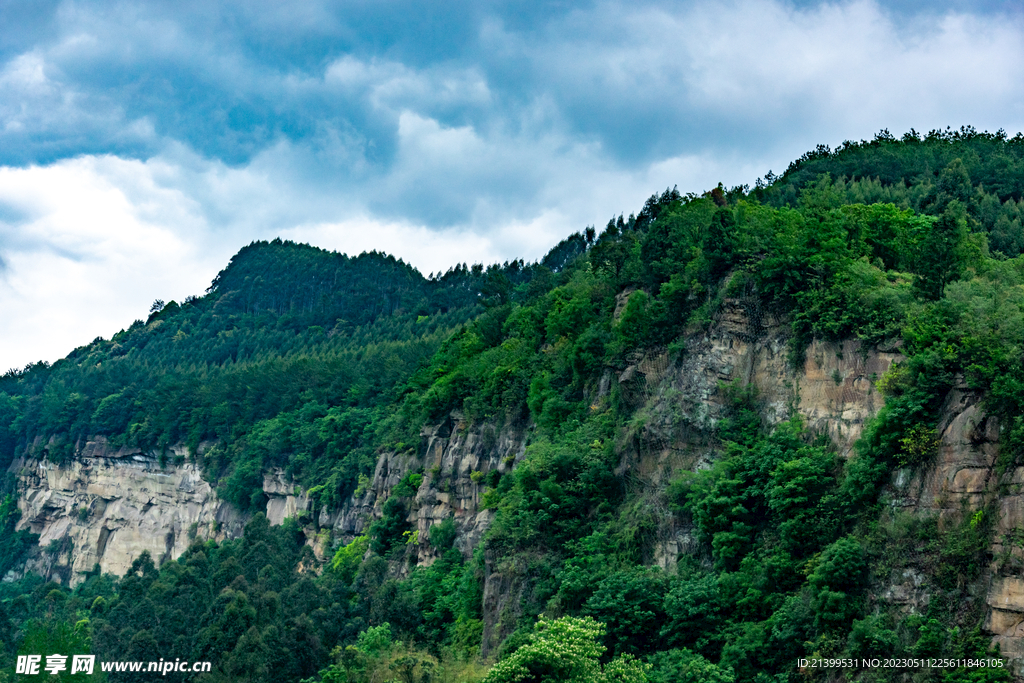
x: 315, y: 362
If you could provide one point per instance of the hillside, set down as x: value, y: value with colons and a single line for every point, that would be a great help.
x: 728, y: 432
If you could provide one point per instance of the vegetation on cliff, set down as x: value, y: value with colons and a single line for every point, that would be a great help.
x: 314, y: 362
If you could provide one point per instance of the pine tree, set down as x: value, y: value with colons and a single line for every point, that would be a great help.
x: 942, y: 253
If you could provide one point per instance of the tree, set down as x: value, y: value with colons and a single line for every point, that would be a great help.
x: 57, y: 636
x: 694, y: 614
x: 630, y: 604
x: 683, y: 666
x: 943, y: 254
x: 954, y: 185
x: 837, y: 580
x: 566, y: 650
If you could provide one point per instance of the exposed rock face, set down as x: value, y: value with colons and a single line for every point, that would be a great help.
x: 107, y: 506
x: 964, y: 470
x: 284, y: 498
x: 111, y: 505
x: 834, y: 390
x: 133, y: 504
x: 965, y: 478
x: 456, y: 462
x: 680, y: 404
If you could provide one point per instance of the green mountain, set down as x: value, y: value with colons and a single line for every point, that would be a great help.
x: 622, y: 498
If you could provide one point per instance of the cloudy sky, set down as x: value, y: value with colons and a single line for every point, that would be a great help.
x: 142, y: 144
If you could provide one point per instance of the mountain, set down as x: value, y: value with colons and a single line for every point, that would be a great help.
x: 723, y: 439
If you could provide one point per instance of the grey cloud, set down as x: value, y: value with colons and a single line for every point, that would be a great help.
x: 648, y: 81
x: 441, y: 117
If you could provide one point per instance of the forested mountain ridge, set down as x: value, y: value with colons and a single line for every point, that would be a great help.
x: 633, y: 460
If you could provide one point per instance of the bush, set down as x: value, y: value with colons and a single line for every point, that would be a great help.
x: 683, y: 666
x: 869, y: 637
x: 837, y: 581
x: 565, y: 650
x: 694, y: 618
x: 630, y: 604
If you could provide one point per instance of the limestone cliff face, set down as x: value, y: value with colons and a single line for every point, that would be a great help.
x: 106, y: 506
x: 456, y: 458
x: 284, y: 499
x: 834, y: 390
x: 677, y: 403
x: 835, y: 393
x: 965, y: 478
x: 109, y: 505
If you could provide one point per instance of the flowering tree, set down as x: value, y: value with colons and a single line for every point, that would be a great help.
x: 566, y: 650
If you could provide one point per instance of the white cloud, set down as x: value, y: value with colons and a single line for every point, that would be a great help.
x: 429, y: 250
x: 96, y: 243
x: 850, y: 63
x: 486, y: 154
x: 25, y: 71
x: 764, y: 72
x: 393, y: 85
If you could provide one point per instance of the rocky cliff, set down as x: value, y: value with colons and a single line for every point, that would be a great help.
x: 107, y: 506
x: 456, y: 458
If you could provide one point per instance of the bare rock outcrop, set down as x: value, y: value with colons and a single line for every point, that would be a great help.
x: 284, y: 498
x: 107, y: 506
x: 455, y: 459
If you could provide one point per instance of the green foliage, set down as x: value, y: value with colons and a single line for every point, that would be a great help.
x: 388, y: 532
x: 630, y: 605
x: 377, y: 656
x: 918, y: 446
x: 558, y: 493
x: 347, y: 558
x: 317, y: 363
x: 406, y: 488
x: 778, y: 477
x: 565, y: 650
x: 15, y: 543
x: 46, y: 636
x: 870, y: 638
x: 634, y: 326
x: 839, y: 575
x: 374, y: 640
x: 694, y: 615
x: 443, y: 535
x: 962, y: 548
x: 683, y: 666
x: 943, y: 252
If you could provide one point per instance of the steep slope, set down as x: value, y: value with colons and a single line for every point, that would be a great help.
x: 737, y: 429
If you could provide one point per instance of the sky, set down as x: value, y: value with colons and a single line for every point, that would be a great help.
x: 143, y: 144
